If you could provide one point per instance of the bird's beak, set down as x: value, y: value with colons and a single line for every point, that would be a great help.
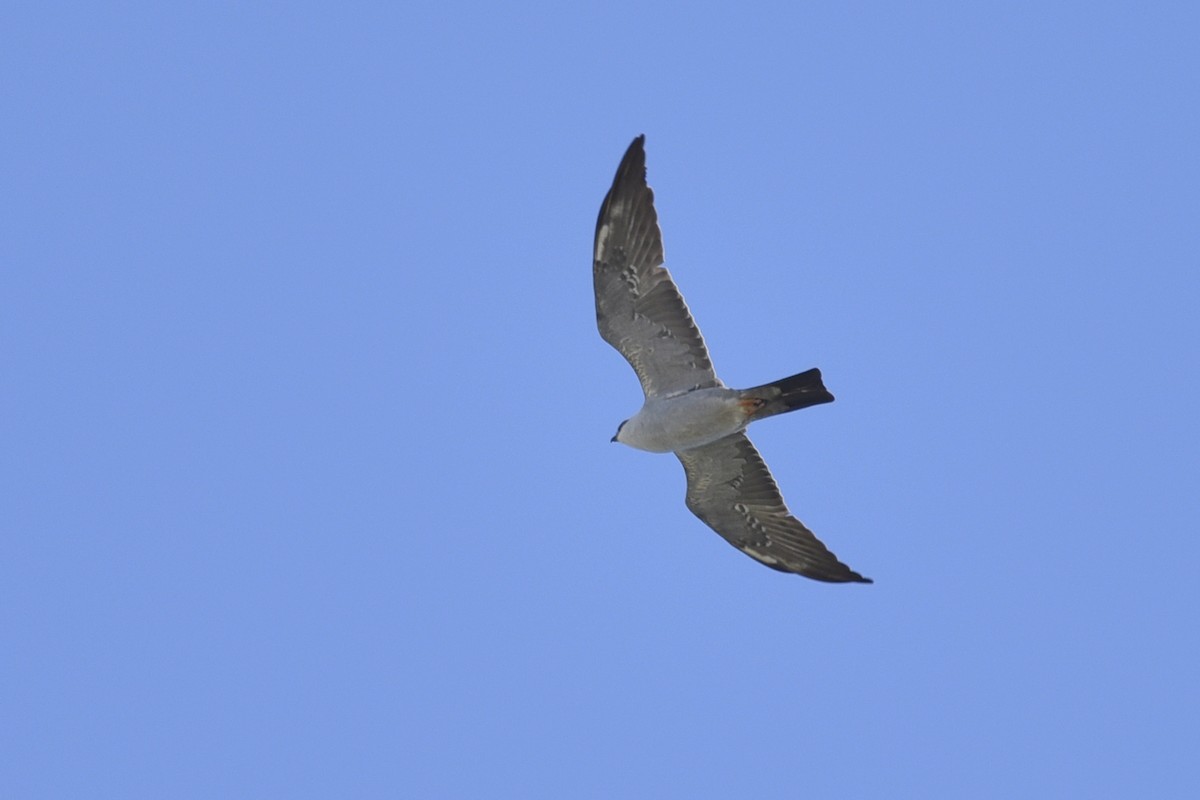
x: 613, y: 439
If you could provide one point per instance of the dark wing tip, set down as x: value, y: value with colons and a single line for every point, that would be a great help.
x: 633, y: 163
x: 818, y: 566
x: 629, y: 207
x: 834, y: 572
x: 824, y: 574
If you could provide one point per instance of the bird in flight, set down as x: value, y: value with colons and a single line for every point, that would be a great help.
x: 687, y: 409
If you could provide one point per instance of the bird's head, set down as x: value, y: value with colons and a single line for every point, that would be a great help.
x: 617, y: 435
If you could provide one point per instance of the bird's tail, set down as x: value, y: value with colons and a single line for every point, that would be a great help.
x: 789, y: 394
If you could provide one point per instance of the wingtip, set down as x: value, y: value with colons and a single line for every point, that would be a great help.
x: 635, y: 156
x: 637, y: 149
x: 854, y: 577
x: 844, y: 575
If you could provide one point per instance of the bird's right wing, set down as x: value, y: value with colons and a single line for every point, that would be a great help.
x: 732, y: 491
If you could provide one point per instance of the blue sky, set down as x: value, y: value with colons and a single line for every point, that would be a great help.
x: 306, y: 419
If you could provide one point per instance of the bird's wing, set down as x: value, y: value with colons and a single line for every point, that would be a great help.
x: 732, y: 491
x: 638, y: 309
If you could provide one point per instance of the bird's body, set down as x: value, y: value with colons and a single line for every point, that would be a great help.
x: 687, y: 409
x: 684, y: 421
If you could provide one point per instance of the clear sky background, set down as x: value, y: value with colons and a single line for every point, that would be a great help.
x: 308, y: 489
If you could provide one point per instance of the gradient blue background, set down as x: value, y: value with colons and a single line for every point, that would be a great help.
x: 308, y: 489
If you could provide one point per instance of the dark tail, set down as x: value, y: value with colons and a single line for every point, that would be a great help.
x: 789, y: 394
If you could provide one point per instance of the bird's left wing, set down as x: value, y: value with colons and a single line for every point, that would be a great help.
x: 638, y: 309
